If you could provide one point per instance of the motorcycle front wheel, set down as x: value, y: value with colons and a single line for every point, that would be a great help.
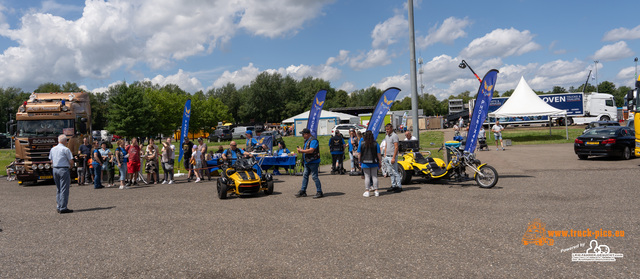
x: 489, y: 177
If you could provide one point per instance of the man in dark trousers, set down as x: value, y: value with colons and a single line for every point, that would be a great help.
x: 85, y: 153
x: 311, y: 158
x: 61, y: 160
x: 336, y: 146
x: 187, y: 147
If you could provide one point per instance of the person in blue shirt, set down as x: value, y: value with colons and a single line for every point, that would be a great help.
x: 232, y: 153
x: 251, y: 142
x: 282, y: 151
x: 336, y: 147
x: 370, y: 158
x: 97, y: 162
x: 311, y: 158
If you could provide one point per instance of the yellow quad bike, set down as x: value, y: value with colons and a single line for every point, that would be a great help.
x: 421, y: 164
x: 243, y: 178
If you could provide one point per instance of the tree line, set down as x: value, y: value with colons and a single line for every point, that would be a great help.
x: 145, y: 109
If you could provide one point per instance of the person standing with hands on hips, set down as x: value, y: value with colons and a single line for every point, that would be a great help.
x: 390, y: 155
x: 497, y: 134
x: 61, y: 159
x: 311, y: 158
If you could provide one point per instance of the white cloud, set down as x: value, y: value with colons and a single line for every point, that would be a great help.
x: 401, y: 81
x: 245, y: 75
x: 112, y: 35
x: 101, y: 89
x: 443, y: 69
x: 388, y: 32
x: 347, y: 87
x: 278, y: 17
x: 50, y: 6
x: 373, y: 58
x: 182, y: 79
x: 613, y: 52
x: 240, y: 78
x: 627, y: 76
x: 561, y: 68
x: 622, y: 34
x: 299, y: 72
x: 342, y: 58
x: 451, y: 29
x: 501, y: 43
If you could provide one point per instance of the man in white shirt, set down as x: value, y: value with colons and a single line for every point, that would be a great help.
x: 61, y: 160
x: 408, y: 136
x: 390, y: 155
x: 497, y: 134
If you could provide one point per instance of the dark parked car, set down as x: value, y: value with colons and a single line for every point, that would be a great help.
x: 5, y: 140
x: 600, y: 124
x: 220, y: 134
x: 606, y: 141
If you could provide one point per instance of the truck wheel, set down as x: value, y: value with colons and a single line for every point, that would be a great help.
x: 405, y: 176
x: 604, y: 118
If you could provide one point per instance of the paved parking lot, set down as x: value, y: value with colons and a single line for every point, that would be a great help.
x: 429, y: 230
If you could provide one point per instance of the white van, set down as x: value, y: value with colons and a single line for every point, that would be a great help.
x: 239, y: 132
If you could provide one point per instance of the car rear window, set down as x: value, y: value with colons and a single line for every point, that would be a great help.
x: 602, y: 132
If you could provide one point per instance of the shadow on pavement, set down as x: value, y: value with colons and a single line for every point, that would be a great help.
x: 332, y: 194
x: 94, y: 209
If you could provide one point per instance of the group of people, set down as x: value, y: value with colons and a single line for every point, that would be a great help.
x: 365, y: 153
x: 370, y: 157
x: 97, y: 159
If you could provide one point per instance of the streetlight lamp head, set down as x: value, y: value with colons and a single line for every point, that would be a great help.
x: 462, y: 65
x: 636, y: 59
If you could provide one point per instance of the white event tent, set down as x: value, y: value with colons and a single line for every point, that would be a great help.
x: 524, y: 102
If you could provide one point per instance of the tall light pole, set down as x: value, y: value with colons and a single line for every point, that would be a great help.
x: 596, y: 62
x: 636, y: 60
x: 414, y: 82
x: 420, y: 71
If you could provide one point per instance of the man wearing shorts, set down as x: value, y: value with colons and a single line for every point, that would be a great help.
x: 497, y: 134
x: 133, y: 164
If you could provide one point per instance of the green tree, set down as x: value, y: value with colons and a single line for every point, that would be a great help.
x: 10, y: 99
x: 129, y: 113
x: 508, y: 93
x: 606, y: 87
x: 230, y: 96
x: 558, y: 89
x: 404, y: 104
x: 99, y: 107
x: 167, y: 104
x: 620, y: 95
x: 48, y: 87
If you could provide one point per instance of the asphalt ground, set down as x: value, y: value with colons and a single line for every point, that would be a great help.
x: 446, y: 229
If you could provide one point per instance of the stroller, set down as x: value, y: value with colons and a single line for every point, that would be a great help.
x: 482, y: 144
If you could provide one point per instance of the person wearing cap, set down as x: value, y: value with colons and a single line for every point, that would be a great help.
x: 61, y: 159
x: 311, y: 158
x: 251, y: 142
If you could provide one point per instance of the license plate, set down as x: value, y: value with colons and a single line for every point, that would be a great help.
x: 593, y: 142
x: 46, y: 177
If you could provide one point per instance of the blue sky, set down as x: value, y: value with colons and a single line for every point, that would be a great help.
x: 200, y: 45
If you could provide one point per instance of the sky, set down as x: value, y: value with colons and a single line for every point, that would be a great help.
x: 353, y: 44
